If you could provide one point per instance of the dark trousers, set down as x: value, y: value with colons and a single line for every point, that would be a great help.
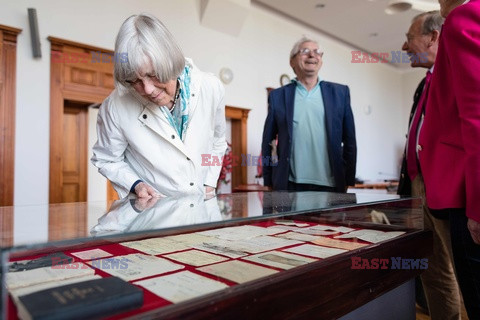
x: 292, y: 186
x: 466, y: 255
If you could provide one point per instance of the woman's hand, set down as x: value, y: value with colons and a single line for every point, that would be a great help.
x: 142, y: 204
x: 143, y: 190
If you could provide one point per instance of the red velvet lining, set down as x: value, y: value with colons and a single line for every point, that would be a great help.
x: 151, y: 301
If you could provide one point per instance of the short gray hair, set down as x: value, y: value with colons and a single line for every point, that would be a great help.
x: 144, y: 39
x: 432, y: 21
x: 297, y: 45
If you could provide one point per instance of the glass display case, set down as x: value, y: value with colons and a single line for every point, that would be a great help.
x: 245, y: 255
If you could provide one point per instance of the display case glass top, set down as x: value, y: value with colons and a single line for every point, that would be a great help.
x: 40, y: 224
x: 223, y: 256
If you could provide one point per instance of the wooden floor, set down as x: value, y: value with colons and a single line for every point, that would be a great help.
x: 421, y: 315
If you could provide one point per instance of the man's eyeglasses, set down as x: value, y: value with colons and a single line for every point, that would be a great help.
x: 306, y: 52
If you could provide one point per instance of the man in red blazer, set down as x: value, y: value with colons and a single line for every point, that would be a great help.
x: 449, y: 143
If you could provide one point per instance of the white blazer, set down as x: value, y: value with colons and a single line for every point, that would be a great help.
x: 136, y: 141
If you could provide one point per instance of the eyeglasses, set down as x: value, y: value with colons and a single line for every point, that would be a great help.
x: 306, y: 52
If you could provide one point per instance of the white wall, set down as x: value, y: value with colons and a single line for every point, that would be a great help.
x: 257, y: 56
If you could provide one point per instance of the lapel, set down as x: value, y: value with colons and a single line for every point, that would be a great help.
x: 289, y: 106
x: 328, y: 105
x: 195, y: 80
x: 154, y: 119
x: 416, y: 98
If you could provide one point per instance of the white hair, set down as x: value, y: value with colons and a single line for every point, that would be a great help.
x: 297, y: 45
x: 144, y: 40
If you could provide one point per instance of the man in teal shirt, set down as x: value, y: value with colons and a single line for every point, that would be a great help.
x: 309, y: 135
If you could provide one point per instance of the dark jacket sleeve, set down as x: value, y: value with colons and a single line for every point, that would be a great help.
x: 270, y: 131
x: 349, y: 142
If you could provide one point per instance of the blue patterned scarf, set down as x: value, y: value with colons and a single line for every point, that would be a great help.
x: 178, y: 118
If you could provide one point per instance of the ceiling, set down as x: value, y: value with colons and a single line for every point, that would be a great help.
x: 361, y: 24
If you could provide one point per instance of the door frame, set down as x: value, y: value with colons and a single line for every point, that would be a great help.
x: 73, y: 76
x: 238, y: 117
x: 8, y: 63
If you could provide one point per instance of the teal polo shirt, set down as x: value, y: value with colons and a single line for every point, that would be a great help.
x: 309, y: 161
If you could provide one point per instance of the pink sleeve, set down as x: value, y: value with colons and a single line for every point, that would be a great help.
x: 463, y: 46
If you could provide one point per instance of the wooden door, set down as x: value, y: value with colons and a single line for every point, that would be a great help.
x: 8, y: 56
x: 238, y: 117
x: 77, y: 74
x: 74, y: 152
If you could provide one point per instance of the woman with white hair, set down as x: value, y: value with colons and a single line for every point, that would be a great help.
x: 163, y: 115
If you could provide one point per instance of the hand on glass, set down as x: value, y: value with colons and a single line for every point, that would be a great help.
x: 143, y: 190
x: 474, y: 228
x: 142, y: 204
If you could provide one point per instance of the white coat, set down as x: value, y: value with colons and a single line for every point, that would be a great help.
x: 136, y: 141
x: 167, y: 212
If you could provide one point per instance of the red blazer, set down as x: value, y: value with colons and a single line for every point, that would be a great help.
x: 450, y: 136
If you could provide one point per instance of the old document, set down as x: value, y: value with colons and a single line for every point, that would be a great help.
x: 237, y: 271
x: 223, y: 247
x: 190, y: 239
x: 156, y: 246
x: 181, y: 286
x: 333, y: 228
x: 279, y: 259
x: 291, y: 223
x: 240, y: 232
x: 91, y: 254
x: 263, y: 243
x: 373, y: 236
x: 195, y: 258
x: 297, y: 236
x: 135, y: 266
x: 347, y: 245
x: 315, y: 251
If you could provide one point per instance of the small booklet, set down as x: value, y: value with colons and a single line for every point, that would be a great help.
x: 16, y: 293
x: 84, y: 300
